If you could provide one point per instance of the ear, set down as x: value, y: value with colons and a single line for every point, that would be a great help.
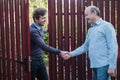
x: 36, y: 20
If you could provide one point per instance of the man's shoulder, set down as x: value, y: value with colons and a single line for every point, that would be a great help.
x: 106, y: 22
x: 32, y: 28
x: 108, y: 26
x: 33, y: 31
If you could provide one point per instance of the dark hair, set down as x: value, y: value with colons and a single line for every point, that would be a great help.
x: 39, y: 12
x: 95, y: 10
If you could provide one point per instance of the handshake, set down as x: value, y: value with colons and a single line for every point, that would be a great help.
x: 65, y: 55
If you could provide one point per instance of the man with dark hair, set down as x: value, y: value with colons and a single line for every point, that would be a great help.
x: 101, y: 43
x: 38, y: 69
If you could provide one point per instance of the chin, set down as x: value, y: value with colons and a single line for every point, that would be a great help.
x: 41, y: 25
x: 89, y: 22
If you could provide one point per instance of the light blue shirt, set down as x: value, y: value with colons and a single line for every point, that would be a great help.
x: 101, y: 44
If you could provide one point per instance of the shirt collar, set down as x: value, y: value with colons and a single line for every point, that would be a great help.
x: 97, y: 22
x: 37, y: 26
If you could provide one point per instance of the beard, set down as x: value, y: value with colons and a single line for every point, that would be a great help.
x: 41, y: 24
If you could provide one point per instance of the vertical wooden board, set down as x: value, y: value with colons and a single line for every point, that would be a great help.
x: 113, y: 12
x: 7, y: 40
x: 66, y: 36
x: 107, y: 15
x: 25, y: 37
x: 80, y: 13
x: 18, y: 39
x: 73, y: 38
x: 12, y: 45
x: 88, y: 3
x: 2, y: 39
x: 50, y: 56
x: 50, y: 24
x: 118, y: 37
x: 27, y: 40
x: 84, y: 35
x: 100, y: 4
x: 95, y: 2
x: 52, y: 40
x: 1, y: 25
x: 60, y: 37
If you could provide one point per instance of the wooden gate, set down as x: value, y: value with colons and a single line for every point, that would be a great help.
x: 67, y: 31
x: 14, y: 40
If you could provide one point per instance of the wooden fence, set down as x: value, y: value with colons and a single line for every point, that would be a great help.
x: 67, y: 31
x: 14, y: 40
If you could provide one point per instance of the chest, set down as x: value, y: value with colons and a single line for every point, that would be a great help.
x: 96, y: 33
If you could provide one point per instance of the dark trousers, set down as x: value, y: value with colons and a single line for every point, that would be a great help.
x: 38, y: 70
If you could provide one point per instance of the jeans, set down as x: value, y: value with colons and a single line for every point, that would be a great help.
x: 38, y: 70
x: 101, y: 73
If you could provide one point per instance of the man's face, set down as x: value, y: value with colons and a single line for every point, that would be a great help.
x: 89, y: 16
x: 41, y: 21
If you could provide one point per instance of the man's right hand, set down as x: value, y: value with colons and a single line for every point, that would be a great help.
x: 65, y: 55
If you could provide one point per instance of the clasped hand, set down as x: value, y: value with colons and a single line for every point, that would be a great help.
x: 65, y: 55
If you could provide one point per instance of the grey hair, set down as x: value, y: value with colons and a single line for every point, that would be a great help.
x: 96, y: 10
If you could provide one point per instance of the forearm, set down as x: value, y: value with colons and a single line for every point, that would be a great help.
x: 80, y: 50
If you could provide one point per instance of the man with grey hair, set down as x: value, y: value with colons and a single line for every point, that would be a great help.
x: 101, y: 43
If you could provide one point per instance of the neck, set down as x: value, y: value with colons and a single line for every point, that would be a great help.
x: 97, y: 18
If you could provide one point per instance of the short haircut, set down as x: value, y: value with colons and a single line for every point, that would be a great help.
x: 96, y: 10
x: 39, y: 12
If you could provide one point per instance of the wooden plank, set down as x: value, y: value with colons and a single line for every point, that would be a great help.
x: 66, y: 35
x: 73, y: 38
x: 50, y: 24
x: 113, y: 12
x: 107, y: 10
x: 8, y: 51
x: 118, y: 37
x: 1, y: 36
x: 101, y: 7
x: 27, y: 38
x: 52, y: 40
x: 60, y: 37
x: 24, y: 33
x: 12, y: 39
x: 18, y: 39
x: 3, y: 39
x: 95, y: 2
x: 88, y: 3
x: 80, y: 13
x: 7, y: 41
x: 0, y: 42
x: 84, y: 36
